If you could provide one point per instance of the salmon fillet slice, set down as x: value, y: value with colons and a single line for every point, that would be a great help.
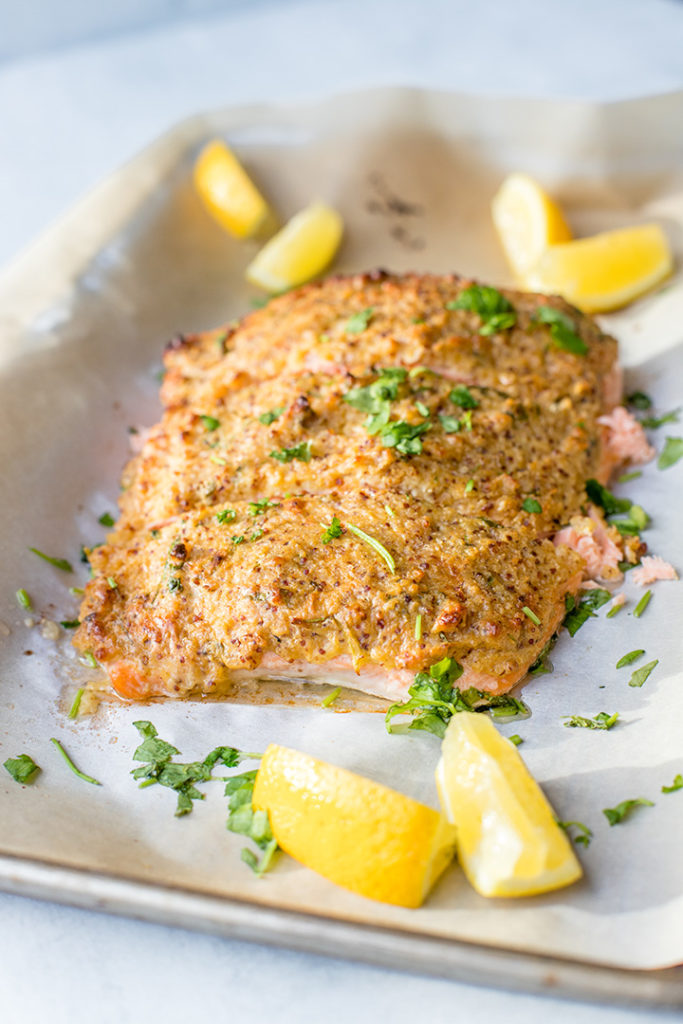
x: 348, y: 486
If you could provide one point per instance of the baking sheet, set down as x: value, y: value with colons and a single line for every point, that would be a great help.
x: 83, y: 318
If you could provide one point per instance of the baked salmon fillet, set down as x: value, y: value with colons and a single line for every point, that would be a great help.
x: 349, y: 485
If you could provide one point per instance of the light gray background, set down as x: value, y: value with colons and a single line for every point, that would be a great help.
x: 82, y: 87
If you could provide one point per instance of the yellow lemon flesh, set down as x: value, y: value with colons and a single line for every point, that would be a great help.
x: 228, y: 192
x: 605, y: 271
x: 353, y: 831
x: 299, y: 251
x: 527, y: 221
x: 509, y: 843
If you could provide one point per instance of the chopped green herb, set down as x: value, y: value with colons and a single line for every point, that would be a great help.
x: 496, y: 313
x: 245, y: 820
x: 562, y: 330
x: 676, y: 784
x: 332, y: 531
x: 155, y: 533
x: 601, y: 721
x: 584, y: 834
x: 627, y: 477
x: 23, y: 600
x: 404, y: 437
x: 600, y: 496
x: 70, y: 623
x: 331, y: 697
x: 469, y: 485
x: 301, y: 451
x: 218, y: 459
x: 422, y: 409
x: 543, y: 663
x: 72, y: 766
x: 358, y: 322
x: 23, y: 769
x: 113, y: 585
x: 641, y: 674
x: 226, y: 515
x: 89, y: 659
x: 106, y: 520
x: 258, y: 508
x: 579, y: 612
x: 642, y: 604
x: 273, y: 414
x: 259, y: 301
x: 175, y: 584
x: 450, y: 424
x: 615, y: 610
x: 531, y: 615
x: 59, y: 563
x: 256, y: 534
x: 390, y: 511
x: 671, y: 453
x: 418, y: 626
x: 237, y: 539
x: 516, y: 739
x: 210, y: 423
x: 654, y: 422
x: 639, y: 400
x: 75, y: 707
x: 629, y: 658
x: 76, y: 591
x: 374, y: 397
x: 375, y: 544
x: 616, y: 814
x: 532, y: 506
x: 463, y: 397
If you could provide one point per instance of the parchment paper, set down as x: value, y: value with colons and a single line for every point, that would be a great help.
x: 83, y: 318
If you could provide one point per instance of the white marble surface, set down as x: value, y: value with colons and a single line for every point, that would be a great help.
x: 71, y: 114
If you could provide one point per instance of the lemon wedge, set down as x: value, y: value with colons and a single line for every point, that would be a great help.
x: 509, y: 843
x: 527, y: 221
x: 605, y: 271
x: 228, y: 192
x: 353, y: 831
x: 299, y: 251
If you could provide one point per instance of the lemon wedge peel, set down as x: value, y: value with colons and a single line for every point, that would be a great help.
x: 300, y: 251
x: 605, y: 271
x: 509, y: 843
x: 228, y: 193
x: 355, y: 832
x: 527, y: 221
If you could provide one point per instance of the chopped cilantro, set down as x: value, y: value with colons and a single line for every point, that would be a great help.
x: 226, y: 515
x: 639, y: 400
x: 654, y: 422
x: 375, y: 544
x: 463, y: 397
x: 516, y: 739
x: 23, y: 600
x: 302, y: 452
x: 601, y: 721
x: 450, y: 424
x: 237, y: 539
x: 641, y: 674
x: 258, y: 508
x: 210, y: 422
x: 175, y: 584
x: 332, y: 531
x: 610, y: 504
x: 245, y: 820
x: 373, y: 397
x: 532, y: 506
x: 617, y: 814
x: 615, y: 610
x: 562, y: 330
x: 627, y: 659
x: 23, y: 769
x: 583, y: 834
x: 627, y: 477
x: 676, y: 784
x: 331, y: 697
x: 75, y: 707
x: 256, y: 534
x: 671, y: 453
x: 418, y: 626
x: 70, y: 623
x: 106, y: 520
x: 273, y: 414
x: 59, y: 563
x: 579, y: 612
x: 90, y: 659
x: 531, y: 615
x: 404, y: 437
x: 422, y: 409
x: 358, y: 322
x: 111, y: 582
x: 496, y: 313
x: 469, y: 485
x: 72, y: 766
x: 642, y: 604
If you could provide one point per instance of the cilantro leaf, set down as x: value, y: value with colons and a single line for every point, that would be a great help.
x: 226, y: 515
x: 210, y: 423
x: 404, y: 437
x: 450, y: 424
x: 259, y: 508
x: 22, y: 768
x: 601, y: 721
x: 77, y: 772
x: 302, y: 452
x: 495, y: 311
x: 59, y: 563
x: 639, y: 400
x: 562, y: 330
x: 332, y: 531
x: 617, y: 814
x: 373, y: 397
x: 273, y: 414
x: 627, y: 659
x: 23, y: 599
x: 463, y: 397
x: 358, y: 322
x: 676, y: 784
x: 671, y: 453
x: 106, y: 520
x: 579, y: 612
x: 654, y: 422
x: 642, y: 604
x: 245, y: 820
x: 641, y: 675
x: 600, y: 496
x: 532, y: 506
x: 583, y: 834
